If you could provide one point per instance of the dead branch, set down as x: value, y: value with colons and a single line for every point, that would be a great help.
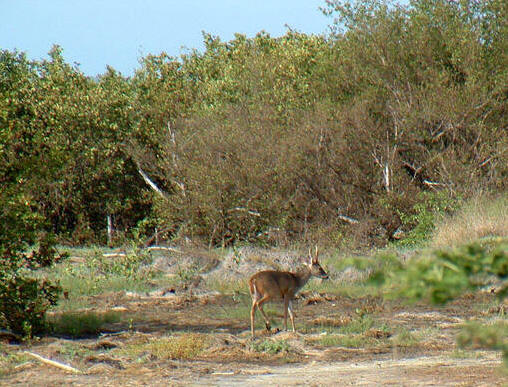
x: 54, y: 363
x: 242, y: 209
x: 148, y: 181
x: 347, y: 219
x: 174, y: 250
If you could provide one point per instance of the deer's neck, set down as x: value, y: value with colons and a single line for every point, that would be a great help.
x: 303, y: 275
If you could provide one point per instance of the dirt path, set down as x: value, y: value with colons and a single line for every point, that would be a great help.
x: 426, y: 371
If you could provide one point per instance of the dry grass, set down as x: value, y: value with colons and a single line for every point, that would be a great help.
x: 482, y: 217
x: 184, y: 346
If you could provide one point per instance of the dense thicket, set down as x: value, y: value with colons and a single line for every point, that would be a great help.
x: 300, y: 134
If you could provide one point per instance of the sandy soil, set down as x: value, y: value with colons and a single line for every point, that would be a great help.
x: 231, y: 356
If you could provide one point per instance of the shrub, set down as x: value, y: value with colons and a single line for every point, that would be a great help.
x: 24, y: 299
x: 445, y: 274
x: 421, y: 221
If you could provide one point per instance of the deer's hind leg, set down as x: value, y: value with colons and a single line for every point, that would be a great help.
x: 257, y: 301
x: 259, y: 304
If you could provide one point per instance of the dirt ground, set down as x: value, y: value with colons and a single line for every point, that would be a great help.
x: 229, y: 357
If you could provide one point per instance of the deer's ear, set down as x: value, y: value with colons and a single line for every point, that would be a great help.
x: 311, y: 258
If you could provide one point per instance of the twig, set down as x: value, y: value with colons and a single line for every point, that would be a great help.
x: 53, y: 363
x: 164, y: 248
x: 347, y: 219
x: 110, y: 255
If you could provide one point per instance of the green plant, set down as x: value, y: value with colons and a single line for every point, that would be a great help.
x: 404, y: 338
x: 187, y: 273
x: 24, y: 299
x: 445, y: 274
x: 127, y: 264
x: 425, y: 214
x: 271, y: 346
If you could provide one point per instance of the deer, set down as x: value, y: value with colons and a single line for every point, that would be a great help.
x: 272, y: 285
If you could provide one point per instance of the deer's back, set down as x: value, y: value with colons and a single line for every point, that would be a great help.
x: 274, y: 283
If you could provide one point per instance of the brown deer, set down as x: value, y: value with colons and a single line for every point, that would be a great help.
x: 267, y: 285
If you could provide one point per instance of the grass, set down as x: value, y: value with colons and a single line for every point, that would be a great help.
x: 9, y: 360
x: 95, y: 274
x: 80, y: 324
x: 182, y: 347
x: 348, y: 341
x: 482, y: 217
x: 271, y: 347
x: 404, y: 338
x: 233, y: 286
x: 73, y: 351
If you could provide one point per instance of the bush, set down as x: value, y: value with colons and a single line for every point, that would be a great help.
x: 421, y: 221
x: 443, y: 275
x: 24, y: 299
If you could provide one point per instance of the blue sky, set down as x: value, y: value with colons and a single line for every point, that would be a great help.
x: 97, y: 33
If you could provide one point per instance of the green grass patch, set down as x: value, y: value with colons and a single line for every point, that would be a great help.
x: 73, y: 351
x: 348, y: 341
x: 234, y: 286
x: 79, y: 324
x: 271, y: 347
x: 405, y: 338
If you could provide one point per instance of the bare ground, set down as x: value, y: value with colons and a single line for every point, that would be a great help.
x: 229, y: 358
x: 403, y: 344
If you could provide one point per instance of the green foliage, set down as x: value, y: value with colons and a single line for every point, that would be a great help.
x: 425, y: 214
x: 261, y: 134
x: 446, y: 274
x: 127, y: 264
x: 443, y: 275
x: 270, y: 346
x: 24, y: 299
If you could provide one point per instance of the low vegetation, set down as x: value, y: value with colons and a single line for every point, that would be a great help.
x: 384, y: 142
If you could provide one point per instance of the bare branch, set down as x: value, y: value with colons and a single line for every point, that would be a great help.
x: 54, y: 363
x: 148, y: 181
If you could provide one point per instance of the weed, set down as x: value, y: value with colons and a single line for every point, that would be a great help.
x: 404, y: 338
x: 271, y: 346
x: 187, y: 273
x: 73, y: 350
x: 432, y: 207
x: 233, y: 286
x: 494, y: 336
x: 360, y: 324
x: 348, y: 341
